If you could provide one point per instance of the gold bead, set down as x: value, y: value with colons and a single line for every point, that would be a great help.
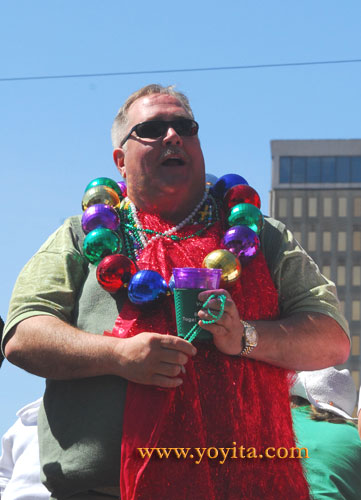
x: 225, y: 260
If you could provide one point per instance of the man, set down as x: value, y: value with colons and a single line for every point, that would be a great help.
x: 49, y: 324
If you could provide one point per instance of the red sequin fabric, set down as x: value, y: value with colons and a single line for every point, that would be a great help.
x: 226, y: 402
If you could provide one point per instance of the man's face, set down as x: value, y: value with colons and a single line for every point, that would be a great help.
x: 170, y: 165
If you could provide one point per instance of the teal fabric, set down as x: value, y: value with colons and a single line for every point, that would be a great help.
x: 333, y: 469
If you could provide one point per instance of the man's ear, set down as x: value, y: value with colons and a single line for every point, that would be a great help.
x: 118, y: 157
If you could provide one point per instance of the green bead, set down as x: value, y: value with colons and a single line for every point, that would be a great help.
x: 245, y: 214
x: 99, y: 243
x: 105, y: 181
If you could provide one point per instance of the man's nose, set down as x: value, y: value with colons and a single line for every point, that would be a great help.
x: 171, y: 137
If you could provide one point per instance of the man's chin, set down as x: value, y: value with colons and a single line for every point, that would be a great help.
x: 175, y: 178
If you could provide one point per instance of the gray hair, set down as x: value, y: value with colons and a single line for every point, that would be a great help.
x: 119, y: 127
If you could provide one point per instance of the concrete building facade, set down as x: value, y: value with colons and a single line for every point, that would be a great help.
x: 316, y: 192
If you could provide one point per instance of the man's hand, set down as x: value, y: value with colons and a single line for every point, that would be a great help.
x: 228, y: 330
x: 51, y: 348
x: 152, y: 359
x: 301, y: 341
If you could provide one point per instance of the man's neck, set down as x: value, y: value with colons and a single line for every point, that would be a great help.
x: 170, y: 210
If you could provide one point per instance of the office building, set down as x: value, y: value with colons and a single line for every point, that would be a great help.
x: 316, y: 192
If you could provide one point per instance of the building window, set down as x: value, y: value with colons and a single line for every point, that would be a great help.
x: 326, y: 241
x: 355, y: 311
x: 342, y: 207
x: 328, y: 169
x: 341, y: 241
x: 341, y: 276
x: 285, y: 169
x: 356, y: 241
x: 297, y: 207
x: 327, y: 207
x: 313, y: 170
x: 298, y: 170
x: 356, y: 377
x: 282, y: 207
x: 357, y: 207
x: 356, y: 275
x: 343, y: 169
x: 356, y: 169
x: 355, y: 349
x: 311, y: 241
x: 326, y: 271
x: 312, y: 207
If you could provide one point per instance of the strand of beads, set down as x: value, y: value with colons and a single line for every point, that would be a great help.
x: 170, y: 231
x: 100, y: 219
x: 134, y: 230
x: 240, y: 243
x: 196, y: 329
x: 104, y: 214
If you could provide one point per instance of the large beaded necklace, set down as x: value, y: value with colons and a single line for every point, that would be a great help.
x: 105, y: 215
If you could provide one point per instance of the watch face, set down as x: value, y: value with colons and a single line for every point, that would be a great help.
x: 251, y: 336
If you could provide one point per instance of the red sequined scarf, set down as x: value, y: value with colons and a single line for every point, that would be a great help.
x: 229, y: 413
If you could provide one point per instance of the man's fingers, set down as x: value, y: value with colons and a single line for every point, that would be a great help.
x: 168, y: 382
x: 169, y: 369
x: 177, y: 344
x: 174, y: 357
x: 215, y: 328
x: 203, y: 314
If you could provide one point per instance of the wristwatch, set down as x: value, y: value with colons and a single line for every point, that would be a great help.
x: 249, y: 339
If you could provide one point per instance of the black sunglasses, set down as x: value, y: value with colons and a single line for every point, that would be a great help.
x: 157, y: 128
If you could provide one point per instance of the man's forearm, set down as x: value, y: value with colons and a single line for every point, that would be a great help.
x: 303, y: 341
x: 46, y: 346
x: 51, y: 348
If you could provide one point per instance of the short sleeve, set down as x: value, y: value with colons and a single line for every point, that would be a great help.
x: 51, y: 281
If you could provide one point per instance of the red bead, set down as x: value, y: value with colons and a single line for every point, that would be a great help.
x: 241, y: 194
x: 114, y: 272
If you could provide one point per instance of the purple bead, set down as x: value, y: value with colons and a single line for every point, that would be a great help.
x: 99, y: 215
x: 242, y: 242
x: 123, y: 188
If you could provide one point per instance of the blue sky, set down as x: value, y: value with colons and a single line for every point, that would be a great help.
x: 55, y: 134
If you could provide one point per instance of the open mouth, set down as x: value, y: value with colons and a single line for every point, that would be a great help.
x: 173, y: 162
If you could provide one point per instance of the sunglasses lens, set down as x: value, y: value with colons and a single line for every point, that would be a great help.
x: 185, y: 127
x: 151, y: 130
x: 157, y: 128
